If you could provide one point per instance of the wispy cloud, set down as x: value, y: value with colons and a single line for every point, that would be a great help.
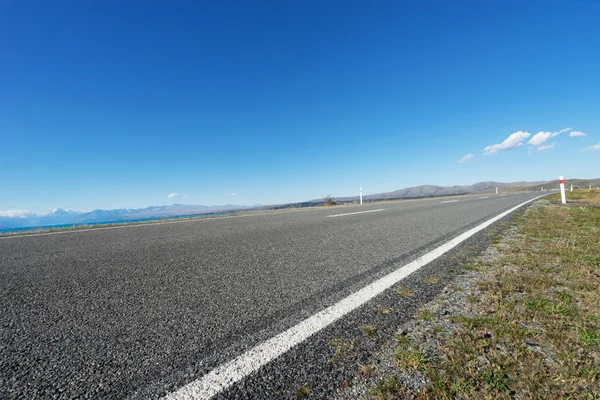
x: 230, y: 194
x: 173, y: 195
x: 466, y: 158
x: 595, y: 147
x: 546, y: 148
x: 576, y: 134
x: 514, y: 140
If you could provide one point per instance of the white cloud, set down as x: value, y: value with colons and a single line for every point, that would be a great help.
x: 546, y: 148
x: 576, y: 134
x: 466, y: 158
x: 539, y: 138
x: 514, y: 140
x: 230, y: 194
x: 595, y: 147
x: 16, y: 213
x: 173, y: 195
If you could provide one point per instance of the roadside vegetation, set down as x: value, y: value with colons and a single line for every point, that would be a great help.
x: 522, y: 321
x: 329, y: 201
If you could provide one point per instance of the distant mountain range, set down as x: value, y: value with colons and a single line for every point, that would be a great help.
x: 424, y: 191
x: 23, y: 218
x: 58, y: 216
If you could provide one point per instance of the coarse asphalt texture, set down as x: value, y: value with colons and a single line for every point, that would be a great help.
x: 138, y: 312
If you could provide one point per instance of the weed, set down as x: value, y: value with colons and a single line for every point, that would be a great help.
x: 366, y: 370
x: 369, y: 330
x: 388, y: 389
x: 590, y: 336
x: 405, y: 292
x: 329, y: 201
x: 497, y: 379
x: 303, y: 392
x: 431, y: 280
x: 402, y: 340
x: 424, y: 314
x: 386, y: 310
x: 412, y: 359
x: 343, y: 350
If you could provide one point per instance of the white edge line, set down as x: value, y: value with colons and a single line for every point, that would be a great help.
x: 448, y: 201
x: 353, y: 213
x: 484, y: 197
x: 235, y: 370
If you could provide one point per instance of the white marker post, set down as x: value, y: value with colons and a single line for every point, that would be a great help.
x: 542, y: 189
x: 361, y: 196
x: 496, y: 189
x: 562, y: 190
x: 571, y: 188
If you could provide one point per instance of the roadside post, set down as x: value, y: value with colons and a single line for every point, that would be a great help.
x: 571, y: 188
x: 496, y: 189
x: 361, y: 196
x: 562, y: 190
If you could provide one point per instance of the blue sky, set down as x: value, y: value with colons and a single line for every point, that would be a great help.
x: 110, y: 104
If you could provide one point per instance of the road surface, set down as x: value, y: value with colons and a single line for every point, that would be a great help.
x: 140, y: 311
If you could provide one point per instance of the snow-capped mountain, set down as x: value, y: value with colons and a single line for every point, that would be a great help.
x: 24, y: 218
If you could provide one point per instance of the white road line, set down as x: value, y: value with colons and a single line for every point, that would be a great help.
x: 358, y: 212
x: 484, y: 197
x: 235, y: 370
x: 448, y: 201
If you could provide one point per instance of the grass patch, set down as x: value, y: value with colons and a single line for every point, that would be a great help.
x: 424, y: 314
x: 412, y: 359
x: 386, y: 310
x: 388, y: 389
x: 472, y: 267
x: 402, y: 340
x: 432, y: 280
x: 404, y: 292
x: 369, y: 330
x: 344, y: 350
x: 303, y: 392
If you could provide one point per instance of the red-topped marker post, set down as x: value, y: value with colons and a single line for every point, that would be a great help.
x: 562, y: 190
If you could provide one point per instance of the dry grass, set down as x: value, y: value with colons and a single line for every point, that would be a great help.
x: 534, y: 327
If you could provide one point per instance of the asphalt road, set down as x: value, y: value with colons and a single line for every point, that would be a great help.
x: 138, y: 312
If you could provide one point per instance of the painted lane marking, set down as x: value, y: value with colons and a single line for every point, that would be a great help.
x: 240, y: 367
x: 353, y: 213
x: 484, y: 197
x: 448, y: 201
